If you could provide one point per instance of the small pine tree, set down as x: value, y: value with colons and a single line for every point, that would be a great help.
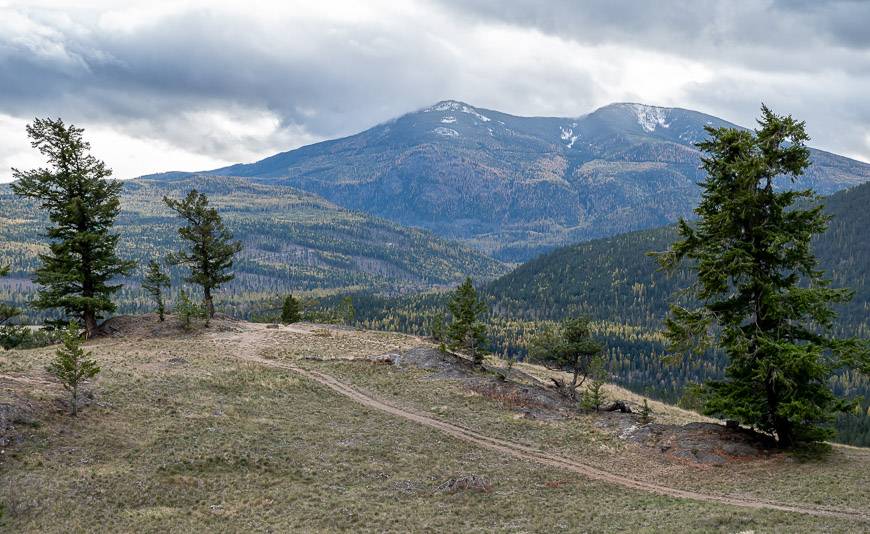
x: 570, y: 348
x: 466, y: 330
x: 347, y: 311
x: 692, y: 398
x: 645, y: 413
x: 187, y: 310
x: 82, y: 205
x: 212, y: 250
x: 290, y: 310
x: 72, y: 365
x: 155, y: 281
x: 595, y: 394
x: 438, y: 328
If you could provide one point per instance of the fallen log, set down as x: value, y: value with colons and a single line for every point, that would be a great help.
x: 619, y: 405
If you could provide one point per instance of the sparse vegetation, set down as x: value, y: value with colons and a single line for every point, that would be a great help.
x: 645, y: 413
x: 189, y: 435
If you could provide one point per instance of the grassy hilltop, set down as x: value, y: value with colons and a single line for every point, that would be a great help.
x: 234, y: 428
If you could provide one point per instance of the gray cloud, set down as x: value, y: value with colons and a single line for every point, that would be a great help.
x: 233, y: 84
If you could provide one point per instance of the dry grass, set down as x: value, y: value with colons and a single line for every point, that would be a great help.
x: 186, y: 436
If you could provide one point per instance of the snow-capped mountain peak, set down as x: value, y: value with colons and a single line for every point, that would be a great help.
x: 650, y: 117
x: 455, y: 106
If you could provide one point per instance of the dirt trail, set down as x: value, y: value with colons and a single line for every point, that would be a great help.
x: 524, y: 452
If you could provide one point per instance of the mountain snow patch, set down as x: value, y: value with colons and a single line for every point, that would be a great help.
x: 650, y: 117
x: 448, y: 120
x: 567, y: 134
x: 452, y: 105
x: 446, y: 132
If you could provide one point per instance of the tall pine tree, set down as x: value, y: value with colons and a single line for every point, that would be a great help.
x: 466, y: 330
x: 82, y: 205
x: 212, y: 249
x: 763, y: 300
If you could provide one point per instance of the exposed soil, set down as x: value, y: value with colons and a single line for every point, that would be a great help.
x: 703, y: 443
x: 149, y: 325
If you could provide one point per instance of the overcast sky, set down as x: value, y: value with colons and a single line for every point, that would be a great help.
x: 191, y: 85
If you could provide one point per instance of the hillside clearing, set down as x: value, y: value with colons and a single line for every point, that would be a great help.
x: 210, y: 431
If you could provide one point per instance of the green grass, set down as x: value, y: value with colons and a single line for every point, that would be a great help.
x: 217, y: 444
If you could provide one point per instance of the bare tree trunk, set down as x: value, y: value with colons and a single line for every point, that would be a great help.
x: 209, y: 304
x: 75, y: 401
x: 90, y: 320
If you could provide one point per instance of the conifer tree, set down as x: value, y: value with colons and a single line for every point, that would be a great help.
x: 347, y: 311
x: 6, y: 311
x: 82, y: 205
x: 290, y: 310
x: 763, y: 300
x: 72, y: 365
x: 466, y: 330
x: 154, y: 282
x: 212, y: 250
x: 570, y: 348
x: 595, y: 394
x: 187, y: 310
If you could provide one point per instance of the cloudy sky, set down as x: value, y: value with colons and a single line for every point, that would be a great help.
x: 193, y: 85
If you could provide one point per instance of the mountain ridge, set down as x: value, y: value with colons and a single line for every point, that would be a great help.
x: 514, y: 187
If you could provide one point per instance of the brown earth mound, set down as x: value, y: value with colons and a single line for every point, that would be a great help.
x: 703, y: 443
x: 149, y: 325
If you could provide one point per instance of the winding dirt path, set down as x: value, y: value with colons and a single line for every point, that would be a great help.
x: 527, y: 453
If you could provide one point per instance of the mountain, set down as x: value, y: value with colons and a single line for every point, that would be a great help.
x: 293, y: 241
x: 514, y: 187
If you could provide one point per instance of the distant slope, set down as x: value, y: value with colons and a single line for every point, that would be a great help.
x: 293, y: 241
x: 617, y: 284
x: 517, y: 186
x: 614, y: 278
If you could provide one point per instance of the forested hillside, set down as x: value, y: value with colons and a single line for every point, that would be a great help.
x: 293, y: 241
x: 616, y: 283
x: 515, y: 187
